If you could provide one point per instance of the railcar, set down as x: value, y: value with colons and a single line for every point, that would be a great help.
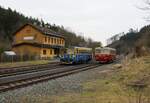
x: 77, y: 55
x: 105, y: 54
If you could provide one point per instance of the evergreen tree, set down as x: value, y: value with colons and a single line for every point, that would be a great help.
x: 11, y: 20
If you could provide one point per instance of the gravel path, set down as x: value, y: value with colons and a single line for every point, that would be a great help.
x: 71, y: 83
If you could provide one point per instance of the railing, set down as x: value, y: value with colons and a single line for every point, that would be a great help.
x: 33, y: 41
x: 18, y: 58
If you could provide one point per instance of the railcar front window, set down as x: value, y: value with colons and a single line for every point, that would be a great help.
x: 104, y: 51
x: 97, y: 51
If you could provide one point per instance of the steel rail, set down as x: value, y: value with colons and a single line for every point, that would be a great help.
x: 10, y: 69
x: 11, y: 82
x: 24, y: 71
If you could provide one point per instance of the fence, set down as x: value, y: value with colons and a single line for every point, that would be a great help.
x: 17, y: 58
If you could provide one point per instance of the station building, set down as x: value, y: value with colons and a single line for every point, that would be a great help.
x: 38, y: 41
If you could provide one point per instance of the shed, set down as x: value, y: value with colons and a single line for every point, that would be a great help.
x: 9, y: 53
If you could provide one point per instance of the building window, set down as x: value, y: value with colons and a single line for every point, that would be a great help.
x: 55, y: 41
x: 52, y: 40
x: 55, y: 52
x: 45, y: 39
x: 28, y: 30
x: 63, y: 42
x: 44, y: 52
x: 51, y: 52
x: 49, y: 40
x: 60, y: 41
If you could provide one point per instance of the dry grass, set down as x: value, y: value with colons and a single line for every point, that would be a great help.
x: 113, y: 87
x: 110, y: 86
x: 26, y: 63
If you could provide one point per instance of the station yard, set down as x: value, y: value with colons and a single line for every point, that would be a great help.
x: 106, y: 84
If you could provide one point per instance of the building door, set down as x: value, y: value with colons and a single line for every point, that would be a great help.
x: 57, y: 52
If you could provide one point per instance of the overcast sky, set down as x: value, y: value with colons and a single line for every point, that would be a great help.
x: 98, y: 19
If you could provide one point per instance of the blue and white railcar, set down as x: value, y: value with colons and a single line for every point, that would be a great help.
x: 77, y: 55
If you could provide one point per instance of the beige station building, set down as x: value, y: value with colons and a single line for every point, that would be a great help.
x: 38, y: 41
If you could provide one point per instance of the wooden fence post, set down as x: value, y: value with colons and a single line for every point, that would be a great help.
x: 0, y: 58
x: 12, y: 58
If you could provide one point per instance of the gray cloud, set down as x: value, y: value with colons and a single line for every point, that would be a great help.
x: 98, y: 19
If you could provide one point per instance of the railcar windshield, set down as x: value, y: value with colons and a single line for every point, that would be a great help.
x: 70, y: 51
x: 78, y: 51
x: 83, y: 51
x: 105, y: 51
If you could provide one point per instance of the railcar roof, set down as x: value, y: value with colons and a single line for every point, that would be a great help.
x: 106, y: 48
x: 83, y: 48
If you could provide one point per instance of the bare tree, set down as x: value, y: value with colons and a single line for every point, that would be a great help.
x: 146, y: 8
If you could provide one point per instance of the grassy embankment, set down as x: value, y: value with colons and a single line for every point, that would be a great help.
x: 26, y: 63
x: 128, y: 84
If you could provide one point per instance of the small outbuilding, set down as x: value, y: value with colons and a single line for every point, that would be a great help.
x: 9, y: 53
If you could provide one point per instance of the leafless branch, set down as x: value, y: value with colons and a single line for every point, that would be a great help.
x: 147, y: 2
x: 147, y: 5
x: 147, y: 19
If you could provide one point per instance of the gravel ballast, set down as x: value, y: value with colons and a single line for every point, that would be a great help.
x: 58, y: 86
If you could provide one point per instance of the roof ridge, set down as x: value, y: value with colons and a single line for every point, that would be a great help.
x: 44, y: 30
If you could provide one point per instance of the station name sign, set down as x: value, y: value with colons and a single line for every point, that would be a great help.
x: 28, y: 38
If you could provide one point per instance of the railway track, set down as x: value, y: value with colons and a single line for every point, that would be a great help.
x: 24, y: 79
x: 30, y: 70
x: 22, y: 69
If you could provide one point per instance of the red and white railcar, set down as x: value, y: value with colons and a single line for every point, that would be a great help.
x: 105, y: 54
